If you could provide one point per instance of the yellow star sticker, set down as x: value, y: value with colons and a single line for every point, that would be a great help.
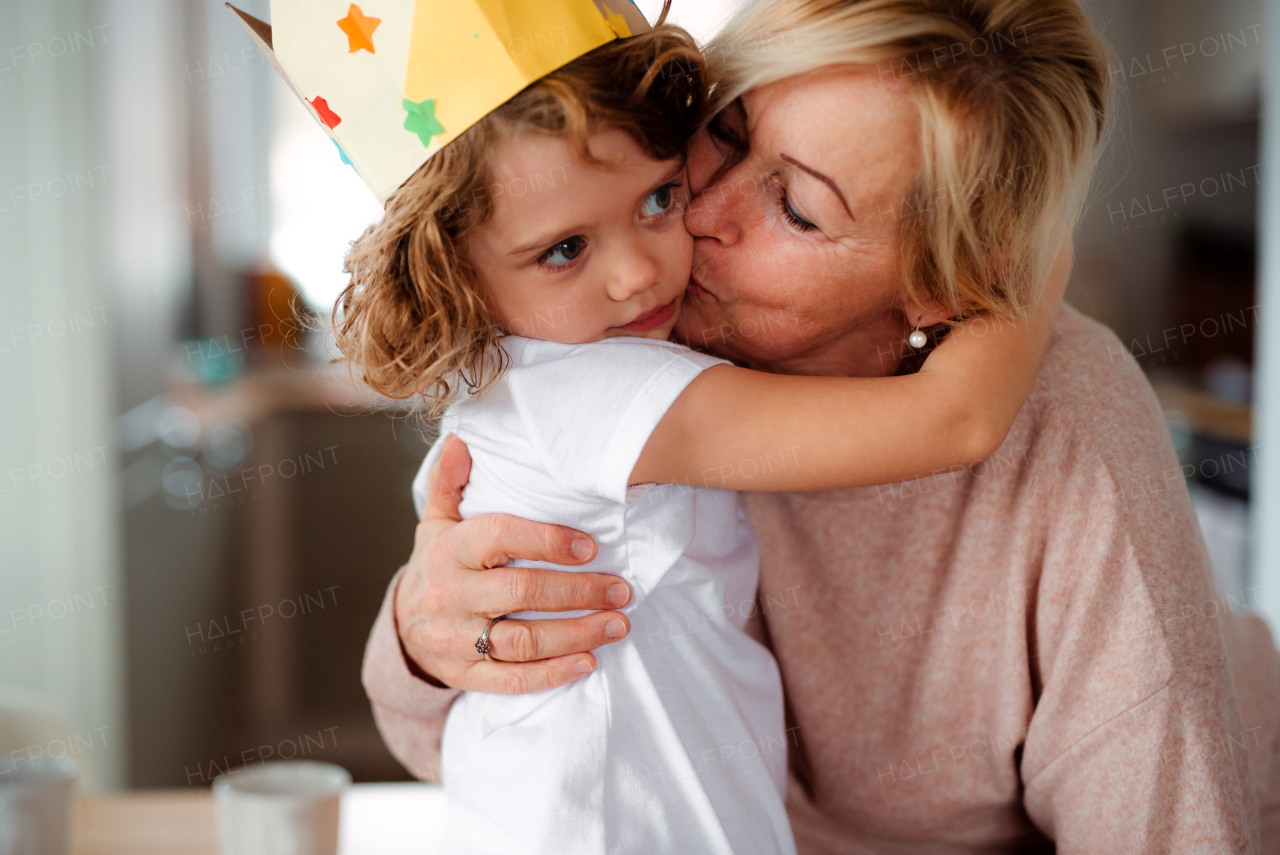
x: 359, y: 29
x: 617, y: 23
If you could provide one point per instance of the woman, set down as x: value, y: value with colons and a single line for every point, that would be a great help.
x: 985, y: 660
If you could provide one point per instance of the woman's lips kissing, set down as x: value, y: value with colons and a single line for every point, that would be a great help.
x: 696, y: 290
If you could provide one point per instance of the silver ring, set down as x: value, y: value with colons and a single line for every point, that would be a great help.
x: 482, y: 643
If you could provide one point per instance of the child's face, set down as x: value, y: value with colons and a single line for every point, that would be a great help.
x: 576, y: 253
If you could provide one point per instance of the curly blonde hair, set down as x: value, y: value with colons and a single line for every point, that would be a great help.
x: 412, y: 318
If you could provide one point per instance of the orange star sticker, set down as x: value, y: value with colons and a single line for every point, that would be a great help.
x: 359, y: 28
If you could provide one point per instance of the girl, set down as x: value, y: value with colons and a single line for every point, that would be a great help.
x: 527, y: 278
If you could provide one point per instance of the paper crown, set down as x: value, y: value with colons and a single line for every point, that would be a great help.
x: 394, y: 81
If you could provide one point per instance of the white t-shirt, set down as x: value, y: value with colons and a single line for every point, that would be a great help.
x: 676, y: 743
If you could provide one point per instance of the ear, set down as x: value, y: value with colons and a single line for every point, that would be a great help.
x: 925, y: 316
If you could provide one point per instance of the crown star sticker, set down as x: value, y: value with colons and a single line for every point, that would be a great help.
x: 416, y: 84
x: 617, y: 23
x: 359, y: 28
x: 330, y: 119
x: 422, y: 119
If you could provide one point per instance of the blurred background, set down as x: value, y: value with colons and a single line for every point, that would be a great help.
x: 199, y: 514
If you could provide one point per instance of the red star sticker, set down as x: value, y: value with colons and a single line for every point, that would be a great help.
x: 359, y: 29
x: 330, y: 118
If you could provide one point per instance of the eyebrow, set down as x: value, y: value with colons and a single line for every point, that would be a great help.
x: 542, y: 243
x: 550, y: 239
x: 824, y: 179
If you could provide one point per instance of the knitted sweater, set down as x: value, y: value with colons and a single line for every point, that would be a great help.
x: 993, y: 658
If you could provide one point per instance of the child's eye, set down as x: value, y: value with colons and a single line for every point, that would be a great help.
x: 659, y: 201
x: 563, y: 252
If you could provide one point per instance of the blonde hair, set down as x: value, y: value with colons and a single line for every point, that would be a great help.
x: 412, y: 317
x: 1012, y: 97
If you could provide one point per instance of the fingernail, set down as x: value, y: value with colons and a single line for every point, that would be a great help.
x: 583, y: 666
x: 618, y: 595
x: 615, y: 628
x: 581, y: 549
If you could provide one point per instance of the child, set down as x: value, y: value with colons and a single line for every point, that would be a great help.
x: 527, y: 277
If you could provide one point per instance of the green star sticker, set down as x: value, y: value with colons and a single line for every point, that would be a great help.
x: 422, y: 119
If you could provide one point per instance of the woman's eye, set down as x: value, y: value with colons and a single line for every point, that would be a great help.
x: 789, y: 213
x: 659, y: 201
x: 563, y: 252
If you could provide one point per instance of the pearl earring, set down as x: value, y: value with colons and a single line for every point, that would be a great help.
x: 917, y: 339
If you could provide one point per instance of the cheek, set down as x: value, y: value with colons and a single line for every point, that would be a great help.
x: 570, y: 313
x: 750, y: 333
x: 494, y: 284
x: 768, y: 269
x: 498, y: 300
x: 510, y: 312
x: 678, y: 254
x: 524, y: 305
x: 779, y: 297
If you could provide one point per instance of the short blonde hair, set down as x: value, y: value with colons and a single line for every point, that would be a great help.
x: 1012, y: 96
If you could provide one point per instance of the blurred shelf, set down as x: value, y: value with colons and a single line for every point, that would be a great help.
x: 260, y: 394
x: 1207, y: 415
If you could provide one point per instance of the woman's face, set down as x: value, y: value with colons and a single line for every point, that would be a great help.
x: 796, y: 248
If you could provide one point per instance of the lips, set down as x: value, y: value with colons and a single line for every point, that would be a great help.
x: 696, y: 291
x: 656, y: 318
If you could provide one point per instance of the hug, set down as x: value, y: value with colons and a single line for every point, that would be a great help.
x: 779, y: 505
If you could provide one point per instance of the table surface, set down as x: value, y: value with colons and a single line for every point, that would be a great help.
x: 386, y: 819
x: 178, y: 822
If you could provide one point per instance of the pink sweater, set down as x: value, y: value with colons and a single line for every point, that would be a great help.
x: 988, y: 659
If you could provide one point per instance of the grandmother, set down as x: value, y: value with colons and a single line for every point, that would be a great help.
x: 1021, y: 655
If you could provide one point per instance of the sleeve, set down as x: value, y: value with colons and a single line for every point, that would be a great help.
x: 1137, y: 743
x: 448, y: 424
x: 409, y: 711
x: 590, y: 410
x: 1256, y: 664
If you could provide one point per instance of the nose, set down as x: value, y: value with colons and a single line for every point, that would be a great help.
x: 717, y: 212
x: 635, y: 271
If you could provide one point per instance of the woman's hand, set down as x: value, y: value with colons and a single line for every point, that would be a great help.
x: 455, y: 583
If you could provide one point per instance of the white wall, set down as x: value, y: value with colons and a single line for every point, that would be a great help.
x: 60, y: 590
x: 702, y: 18
x: 1266, y: 427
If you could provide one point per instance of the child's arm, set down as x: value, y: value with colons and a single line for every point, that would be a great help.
x: 748, y: 430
